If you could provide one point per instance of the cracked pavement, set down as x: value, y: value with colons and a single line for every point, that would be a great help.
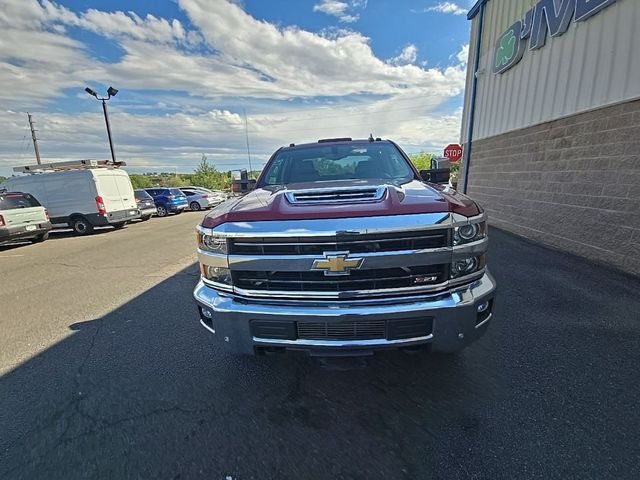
x: 106, y: 373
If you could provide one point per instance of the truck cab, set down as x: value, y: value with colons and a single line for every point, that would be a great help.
x: 344, y: 248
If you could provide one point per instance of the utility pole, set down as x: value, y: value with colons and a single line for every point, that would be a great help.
x: 246, y: 131
x: 35, y: 140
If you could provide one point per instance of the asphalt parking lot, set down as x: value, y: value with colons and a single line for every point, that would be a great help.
x: 106, y: 373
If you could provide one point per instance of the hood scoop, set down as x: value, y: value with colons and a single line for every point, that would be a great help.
x: 336, y: 195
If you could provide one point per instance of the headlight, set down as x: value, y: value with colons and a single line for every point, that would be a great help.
x: 469, y: 233
x: 217, y: 274
x: 466, y: 266
x: 212, y: 243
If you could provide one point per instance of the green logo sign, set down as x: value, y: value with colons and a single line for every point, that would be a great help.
x: 506, y: 49
x: 509, y: 48
x: 545, y: 18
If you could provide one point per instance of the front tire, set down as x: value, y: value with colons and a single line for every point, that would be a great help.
x: 119, y: 225
x: 145, y: 218
x: 162, y: 211
x: 195, y: 206
x: 81, y: 226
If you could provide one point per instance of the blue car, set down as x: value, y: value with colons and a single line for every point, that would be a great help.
x: 168, y: 200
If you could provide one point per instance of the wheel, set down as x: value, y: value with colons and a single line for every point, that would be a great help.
x: 41, y: 238
x: 119, y: 225
x: 195, y: 206
x: 178, y: 212
x: 162, y: 211
x: 81, y: 226
x: 145, y: 218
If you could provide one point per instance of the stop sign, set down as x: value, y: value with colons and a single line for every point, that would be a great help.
x: 453, y: 152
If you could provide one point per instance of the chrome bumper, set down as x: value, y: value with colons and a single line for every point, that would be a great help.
x: 456, y: 321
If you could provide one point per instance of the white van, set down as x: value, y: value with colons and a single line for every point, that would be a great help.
x: 82, y: 198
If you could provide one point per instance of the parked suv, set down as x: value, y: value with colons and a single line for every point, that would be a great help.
x: 345, y: 248
x: 146, y: 205
x: 168, y: 200
x: 22, y: 218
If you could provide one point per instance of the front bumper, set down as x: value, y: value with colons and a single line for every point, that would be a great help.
x: 12, y: 234
x: 456, y: 321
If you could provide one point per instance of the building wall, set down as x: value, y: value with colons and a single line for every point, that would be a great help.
x: 572, y: 183
x: 595, y: 63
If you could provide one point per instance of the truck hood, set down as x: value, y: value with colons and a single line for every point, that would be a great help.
x: 271, y: 203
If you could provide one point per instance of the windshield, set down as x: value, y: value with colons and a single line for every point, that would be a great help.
x: 12, y: 201
x: 376, y: 161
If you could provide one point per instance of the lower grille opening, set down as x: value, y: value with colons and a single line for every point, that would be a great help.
x: 344, y: 330
x: 276, y: 330
x: 365, y: 330
x: 413, y: 328
x: 370, y: 330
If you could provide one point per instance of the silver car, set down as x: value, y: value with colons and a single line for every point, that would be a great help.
x: 199, y: 199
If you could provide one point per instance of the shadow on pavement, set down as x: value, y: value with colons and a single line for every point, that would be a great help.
x: 142, y: 392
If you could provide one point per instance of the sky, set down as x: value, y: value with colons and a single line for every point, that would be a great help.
x: 190, y: 73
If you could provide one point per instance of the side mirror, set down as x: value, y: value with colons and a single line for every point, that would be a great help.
x: 436, y: 175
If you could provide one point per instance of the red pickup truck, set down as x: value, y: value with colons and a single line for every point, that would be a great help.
x: 344, y: 248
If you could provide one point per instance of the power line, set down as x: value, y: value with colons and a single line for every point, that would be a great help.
x: 22, y: 144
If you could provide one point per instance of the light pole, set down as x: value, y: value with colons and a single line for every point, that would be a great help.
x: 111, y: 92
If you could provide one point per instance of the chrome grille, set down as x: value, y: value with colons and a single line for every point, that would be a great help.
x: 363, y: 330
x: 365, y: 243
x: 358, y: 280
x: 334, y: 195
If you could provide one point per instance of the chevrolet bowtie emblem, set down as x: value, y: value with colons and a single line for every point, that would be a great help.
x: 337, y: 263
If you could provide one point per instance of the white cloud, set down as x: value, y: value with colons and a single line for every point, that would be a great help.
x: 176, y: 140
x: 463, y: 54
x: 306, y: 64
x: 221, y: 56
x: 447, y: 7
x: 409, y: 54
x: 341, y: 10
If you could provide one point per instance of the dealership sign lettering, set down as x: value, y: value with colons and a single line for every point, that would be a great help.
x: 547, y: 17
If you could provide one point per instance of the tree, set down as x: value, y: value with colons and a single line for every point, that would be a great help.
x: 205, y: 168
x: 140, y: 181
x: 2, y: 179
x: 422, y: 160
x: 175, y: 181
x: 207, y: 175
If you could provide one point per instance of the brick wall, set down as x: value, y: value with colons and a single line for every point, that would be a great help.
x: 572, y: 183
